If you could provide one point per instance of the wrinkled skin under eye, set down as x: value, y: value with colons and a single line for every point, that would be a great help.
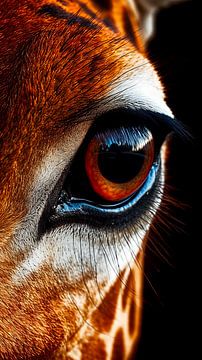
x: 117, y: 162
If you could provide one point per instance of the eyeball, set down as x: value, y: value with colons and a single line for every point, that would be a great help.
x: 117, y: 162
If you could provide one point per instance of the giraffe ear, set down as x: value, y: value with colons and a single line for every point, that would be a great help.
x: 147, y: 10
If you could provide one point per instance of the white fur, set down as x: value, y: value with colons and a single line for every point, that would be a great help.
x: 140, y: 89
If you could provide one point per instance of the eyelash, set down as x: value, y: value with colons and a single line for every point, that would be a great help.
x: 71, y: 207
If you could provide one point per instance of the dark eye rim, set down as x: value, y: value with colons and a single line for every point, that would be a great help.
x: 112, y: 216
x: 80, y: 204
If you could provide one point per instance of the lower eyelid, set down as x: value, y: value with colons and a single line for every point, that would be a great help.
x: 78, y: 210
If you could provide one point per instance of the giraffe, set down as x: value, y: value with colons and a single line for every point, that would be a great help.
x: 71, y: 261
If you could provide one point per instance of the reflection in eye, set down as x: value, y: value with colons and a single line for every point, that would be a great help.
x: 117, y: 161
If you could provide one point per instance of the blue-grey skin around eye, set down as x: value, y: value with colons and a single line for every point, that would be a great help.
x: 84, y: 206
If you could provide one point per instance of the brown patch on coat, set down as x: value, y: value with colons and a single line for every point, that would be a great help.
x: 118, y: 352
x: 103, y: 317
x: 131, y: 320
x: 93, y: 349
x: 129, y: 290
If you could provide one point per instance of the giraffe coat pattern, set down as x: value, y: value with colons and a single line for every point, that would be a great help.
x: 63, y: 64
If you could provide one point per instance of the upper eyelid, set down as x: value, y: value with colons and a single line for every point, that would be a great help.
x: 159, y: 124
x: 149, y: 118
x: 152, y: 119
x: 138, y: 117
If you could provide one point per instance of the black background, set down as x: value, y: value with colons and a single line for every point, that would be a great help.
x: 169, y: 288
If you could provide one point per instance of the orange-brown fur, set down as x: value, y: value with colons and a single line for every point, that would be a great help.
x: 36, y: 97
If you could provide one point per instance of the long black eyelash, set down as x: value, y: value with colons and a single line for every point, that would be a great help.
x: 123, y: 135
x: 159, y: 124
x: 152, y: 120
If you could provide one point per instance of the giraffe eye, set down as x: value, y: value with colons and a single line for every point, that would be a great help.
x: 116, y: 166
x: 118, y: 161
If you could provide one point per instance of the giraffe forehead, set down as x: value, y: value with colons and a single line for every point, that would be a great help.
x: 60, y: 71
x: 57, y: 71
x: 52, y: 75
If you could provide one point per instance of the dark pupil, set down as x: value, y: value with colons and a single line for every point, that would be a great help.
x: 119, y: 163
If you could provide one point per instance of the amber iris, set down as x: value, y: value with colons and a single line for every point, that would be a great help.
x: 117, y: 170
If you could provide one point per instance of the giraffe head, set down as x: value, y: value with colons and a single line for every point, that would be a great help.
x: 81, y: 106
